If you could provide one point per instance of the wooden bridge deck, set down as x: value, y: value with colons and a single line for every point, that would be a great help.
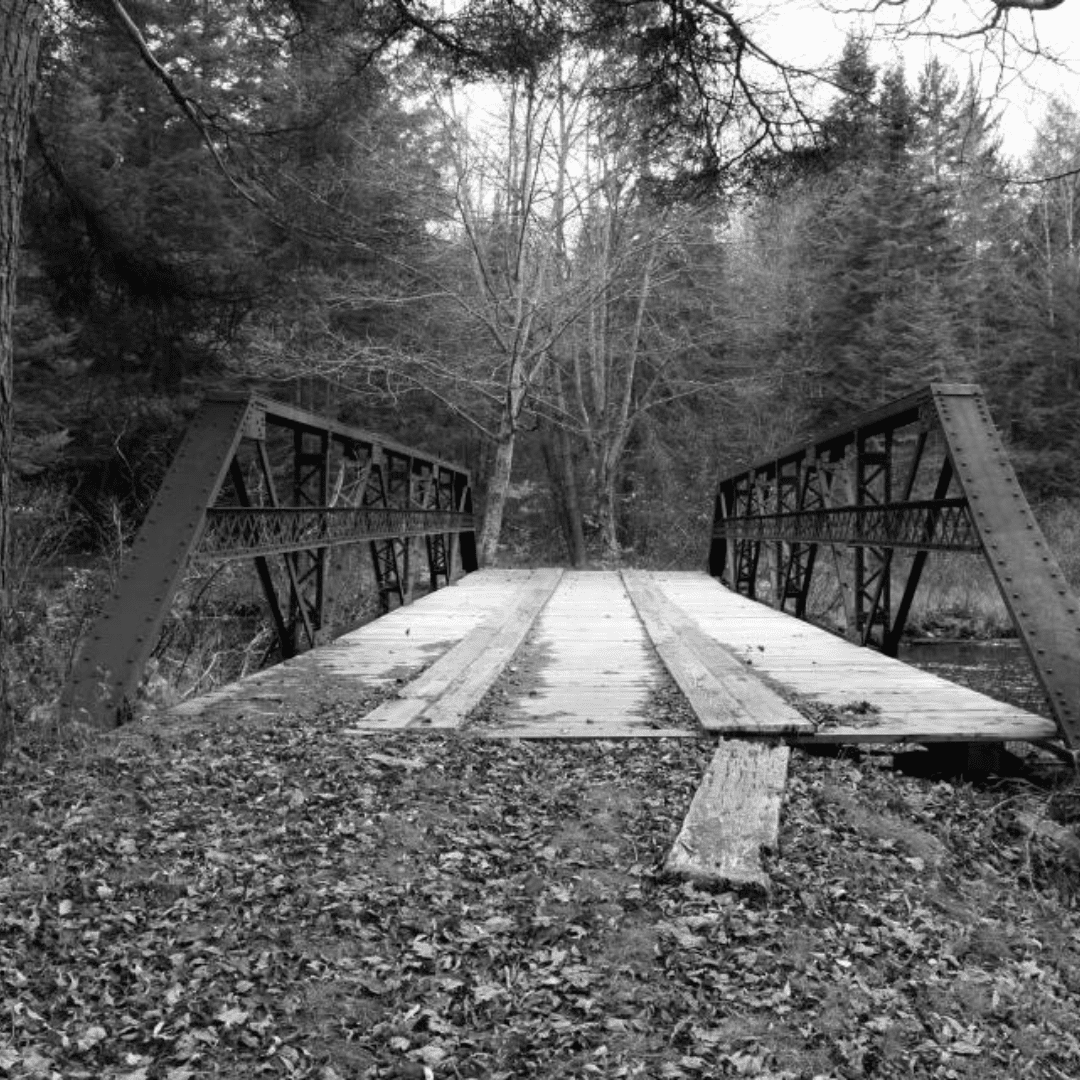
x: 582, y: 655
x: 587, y: 650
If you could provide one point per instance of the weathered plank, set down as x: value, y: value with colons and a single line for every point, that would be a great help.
x: 724, y: 694
x: 443, y: 695
x: 388, y: 650
x: 591, y: 668
x: 735, y: 813
x: 811, y: 664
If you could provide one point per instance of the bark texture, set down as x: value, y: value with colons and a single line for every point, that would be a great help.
x: 20, y: 38
x: 498, y: 487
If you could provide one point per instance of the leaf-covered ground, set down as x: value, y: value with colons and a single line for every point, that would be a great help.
x: 268, y: 897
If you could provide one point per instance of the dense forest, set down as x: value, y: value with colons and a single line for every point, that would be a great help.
x: 597, y: 252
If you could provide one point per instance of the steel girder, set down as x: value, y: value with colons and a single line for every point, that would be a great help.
x: 244, y: 532
x: 926, y: 473
x: 221, y: 500
x: 920, y: 525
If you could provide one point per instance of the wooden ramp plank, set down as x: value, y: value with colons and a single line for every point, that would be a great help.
x: 735, y: 813
x: 922, y: 726
x: 386, y: 650
x: 724, y: 695
x: 444, y: 694
x: 909, y: 705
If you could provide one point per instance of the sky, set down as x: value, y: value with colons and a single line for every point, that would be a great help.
x: 803, y: 31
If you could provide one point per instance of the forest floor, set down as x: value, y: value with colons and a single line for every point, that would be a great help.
x: 270, y: 897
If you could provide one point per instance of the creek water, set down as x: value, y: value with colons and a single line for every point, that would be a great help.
x: 999, y: 668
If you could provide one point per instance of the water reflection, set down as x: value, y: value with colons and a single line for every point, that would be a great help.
x: 998, y: 668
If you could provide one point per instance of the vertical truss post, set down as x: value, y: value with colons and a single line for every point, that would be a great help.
x: 795, y: 559
x: 891, y: 646
x: 384, y: 554
x: 826, y: 465
x: 793, y: 475
x: 778, y: 545
x: 311, y: 487
x: 807, y: 557
x: 873, y: 562
x: 438, y: 544
x: 295, y: 588
x: 747, y: 552
x: 285, y: 636
x: 423, y: 498
x: 405, y: 546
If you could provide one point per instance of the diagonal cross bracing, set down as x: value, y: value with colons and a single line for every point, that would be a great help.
x: 959, y: 493
x: 244, y: 532
x: 262, y: 480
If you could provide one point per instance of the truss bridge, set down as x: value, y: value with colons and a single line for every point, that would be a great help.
x: 836, y: 529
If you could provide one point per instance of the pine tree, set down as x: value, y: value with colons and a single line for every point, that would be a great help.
x: 886, y: 313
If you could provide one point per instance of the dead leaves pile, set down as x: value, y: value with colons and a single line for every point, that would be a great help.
x: 272, y: 898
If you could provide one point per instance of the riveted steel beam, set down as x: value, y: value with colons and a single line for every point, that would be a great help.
x: 245, y: 532
x: 921, y: 525
x: 222, y: 499
x: 1043, y: 607
x: 111, y: 659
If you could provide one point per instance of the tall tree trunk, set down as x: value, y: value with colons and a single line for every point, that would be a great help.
x: 559, y: 461
x: 498, y: 485
x: 607, y: 514
x: 20, y: 39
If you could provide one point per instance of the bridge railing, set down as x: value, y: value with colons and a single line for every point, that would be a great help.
x: 926, y: 473
x: 262, y: 480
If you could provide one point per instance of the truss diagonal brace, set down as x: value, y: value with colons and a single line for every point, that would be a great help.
x: 111, y: 660
x: 1044, y: 609
x: 107, y: 671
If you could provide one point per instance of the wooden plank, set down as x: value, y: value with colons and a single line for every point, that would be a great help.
x: 443, y: 695
x: 590, y: 664
x: 391, y: 648
x: 920, y: 729
x: 735, y: 813
x: 824, y: 670
x: 453, y: 706
x: 724, y: 695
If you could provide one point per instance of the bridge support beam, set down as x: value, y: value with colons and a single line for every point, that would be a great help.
x: 222, y: 499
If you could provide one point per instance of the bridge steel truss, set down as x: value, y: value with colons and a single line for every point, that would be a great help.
x: 258, y: 479
x: 926, y: 473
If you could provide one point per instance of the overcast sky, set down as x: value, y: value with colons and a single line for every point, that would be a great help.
x: 804, y: 31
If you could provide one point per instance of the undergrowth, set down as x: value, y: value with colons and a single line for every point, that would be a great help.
x: 217, y: 629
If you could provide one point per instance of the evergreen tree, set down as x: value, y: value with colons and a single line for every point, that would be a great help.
x: 885, y: 314
x: 1034, y: 379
